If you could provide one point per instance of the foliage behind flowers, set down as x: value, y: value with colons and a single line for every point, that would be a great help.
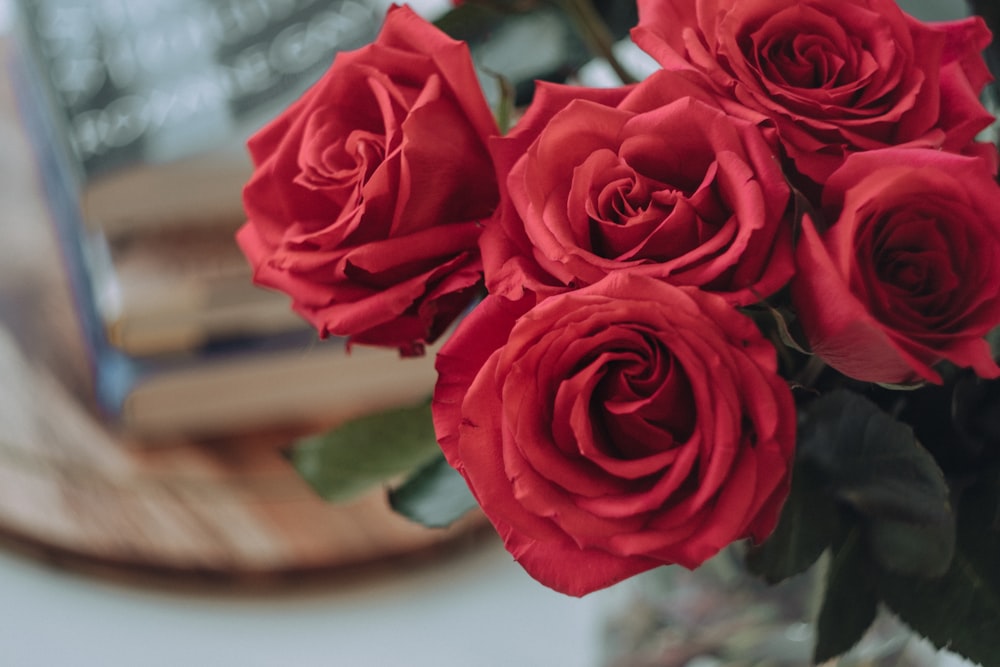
x: 746, y: 300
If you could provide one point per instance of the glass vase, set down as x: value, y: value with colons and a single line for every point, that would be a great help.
x: 721, y: 615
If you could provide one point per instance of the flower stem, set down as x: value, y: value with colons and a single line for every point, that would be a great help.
x: 596, y: 34
x: 808, y: 375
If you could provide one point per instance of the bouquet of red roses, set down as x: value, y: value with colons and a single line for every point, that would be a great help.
x: 747, y: 299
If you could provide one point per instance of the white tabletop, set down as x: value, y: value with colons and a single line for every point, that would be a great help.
x: 474, y: 608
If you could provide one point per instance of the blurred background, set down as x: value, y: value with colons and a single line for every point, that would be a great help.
x: 461, y: 603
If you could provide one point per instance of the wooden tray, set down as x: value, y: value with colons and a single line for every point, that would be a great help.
x: 70, y: 489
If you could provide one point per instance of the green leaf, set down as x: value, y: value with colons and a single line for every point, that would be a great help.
x: 961, y: 609
x: 365, y: 452
x: 850, y: 602
x: 435, y: 496
x: 469, y: 21
x: 993, y: 338
x: 909, y: 548
x: 808, y: 524
x: 873, y: 464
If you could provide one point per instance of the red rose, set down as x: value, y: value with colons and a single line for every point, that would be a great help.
x: 908, y: 273
x: 835, y: 77
x: 369, y: 191
x: 655, y: 179
x: 616, y: 428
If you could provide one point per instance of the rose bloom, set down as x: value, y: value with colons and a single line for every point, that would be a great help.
x: 616, y: 428
x: 907, y: 275
x: 836, y: 77
x: 368, y: 194
x: 653, y: 178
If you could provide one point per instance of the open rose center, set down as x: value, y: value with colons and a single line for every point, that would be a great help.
x: 914, y: 266
x: 617, y: 193
x: 801, y: 47
x: 645, y: 397
x: 365, y: 151
x: 810, y: 59
x: 346, y: 161
x: 637, y: 207
x: 805, y: 61
x: 621, y: 201
x: 339, y: 166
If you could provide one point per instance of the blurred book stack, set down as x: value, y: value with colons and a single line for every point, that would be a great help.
x: 139, y: 113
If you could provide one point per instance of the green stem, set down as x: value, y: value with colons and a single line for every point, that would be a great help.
x: 808, y: 375
x: 595, y: 34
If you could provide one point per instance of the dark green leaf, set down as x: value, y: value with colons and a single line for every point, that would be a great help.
x: 368, y: 451
x: 873, y: 464
x: 909, y: 548
x: 808, y: 524
x: 850, y: 602
x: 960, y: 610
x: 467, y: 21
x: 993, y: 338
x: 435, y: 496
